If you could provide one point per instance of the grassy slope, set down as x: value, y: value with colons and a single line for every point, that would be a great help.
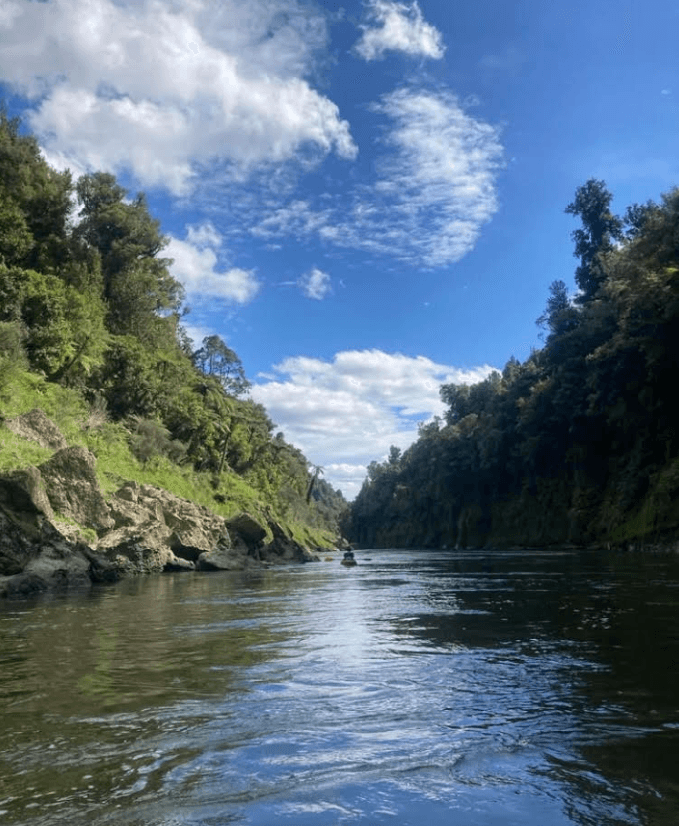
x: 22, y: 391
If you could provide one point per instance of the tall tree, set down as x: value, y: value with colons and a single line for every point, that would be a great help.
x: 137, y: 284
x: 35, y: 202
x: 599, y: 229
x: 217, y: 359
x: 560, y: 316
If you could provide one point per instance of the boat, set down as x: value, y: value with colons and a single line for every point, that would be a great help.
x: 348, y: 559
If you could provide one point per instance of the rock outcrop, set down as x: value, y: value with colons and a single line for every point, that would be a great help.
x: 73, y: 489
x: 39, y: 428
x: 140, y: 529
x: 284, y: 547
x: 34, y: 555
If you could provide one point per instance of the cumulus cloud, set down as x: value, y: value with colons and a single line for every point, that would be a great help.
x: 170, y: 88
x: 203, y: 235
x: 398, y: 27
x: 315, y: 284
x: 196, y: 266
x: 347, y: 412
x: 434, y: 189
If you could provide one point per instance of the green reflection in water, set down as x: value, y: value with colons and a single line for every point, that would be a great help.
x: 100, y: 682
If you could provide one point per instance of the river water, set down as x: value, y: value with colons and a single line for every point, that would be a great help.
x: 417, y: 688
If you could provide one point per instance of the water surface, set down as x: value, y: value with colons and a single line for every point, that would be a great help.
x: 417, y: 688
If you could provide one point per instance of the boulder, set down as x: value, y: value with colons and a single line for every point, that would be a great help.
x: 158, y: 531
x: 60, y: 564
x: 22, y: 585
x: 283, y: 548
x: 73, y: 488
x: 37, y: 427
x: 140, y: 549
x: 35, y: 556
x: 224, y: 559
x: 23, y: 491
x: 252, y: 531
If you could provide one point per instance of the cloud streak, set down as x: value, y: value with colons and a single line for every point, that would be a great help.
x: 434, y: 189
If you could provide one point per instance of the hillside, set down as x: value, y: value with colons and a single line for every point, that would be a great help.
x: 91, y: 336
x: 579, y: 444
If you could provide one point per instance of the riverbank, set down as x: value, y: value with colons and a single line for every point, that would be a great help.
x: 58, y: 529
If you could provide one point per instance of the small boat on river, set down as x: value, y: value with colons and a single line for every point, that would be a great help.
x: 348, y: 559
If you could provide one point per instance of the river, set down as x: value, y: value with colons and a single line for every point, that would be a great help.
x: 473, y: 688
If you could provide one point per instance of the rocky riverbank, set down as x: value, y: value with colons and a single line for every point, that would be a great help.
x: 58, y: 530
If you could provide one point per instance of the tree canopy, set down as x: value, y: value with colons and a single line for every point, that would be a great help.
x: 579, y: 443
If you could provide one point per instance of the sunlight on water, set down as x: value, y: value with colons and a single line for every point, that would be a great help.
x: 416, y: 688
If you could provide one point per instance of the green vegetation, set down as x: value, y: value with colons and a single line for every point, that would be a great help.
x: 90, y: 332
x: 579, y: 444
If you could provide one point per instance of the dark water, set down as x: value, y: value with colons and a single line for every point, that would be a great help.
x: 430, y: 688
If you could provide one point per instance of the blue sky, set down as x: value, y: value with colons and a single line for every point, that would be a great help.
x: 365, y: 199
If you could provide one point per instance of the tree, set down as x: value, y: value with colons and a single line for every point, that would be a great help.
x: 35, y: 202
x: 65, y: 334
x: 637, y: 216
x: 137, y: 285
x: 215, y: 358
x: 394, y: 456
x: 599, y: 229
x: 314, y: 479
x: 560, y: 316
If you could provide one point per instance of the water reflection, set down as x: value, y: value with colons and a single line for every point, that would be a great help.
x: 439, y: 688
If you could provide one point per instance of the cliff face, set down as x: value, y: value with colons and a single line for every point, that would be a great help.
x: 58, y: 530
x: 545, y: 512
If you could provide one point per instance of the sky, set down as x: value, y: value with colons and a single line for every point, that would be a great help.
x: 364, y: 199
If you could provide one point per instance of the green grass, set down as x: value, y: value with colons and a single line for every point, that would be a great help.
x: 116, y: 464
x: 25, y: 391
x: 16, y: 452
x: 88, y: 535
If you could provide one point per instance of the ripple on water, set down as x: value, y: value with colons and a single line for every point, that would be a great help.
x: 451, y: 690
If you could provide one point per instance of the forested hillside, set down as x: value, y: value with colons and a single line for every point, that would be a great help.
x: 579, y: 444
x: 88, y: 304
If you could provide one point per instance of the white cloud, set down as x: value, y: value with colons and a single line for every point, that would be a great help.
x: 203, y: 235
x: 346, y: 413
x: 195, y: 265
x: 168, y: 88
x: 315, y: 284
x: 197, y: 332
x: 434, y: 189
x: 398, y: 27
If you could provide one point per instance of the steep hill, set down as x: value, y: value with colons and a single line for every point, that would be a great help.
x: 91, y: 336
x: 579, y: 444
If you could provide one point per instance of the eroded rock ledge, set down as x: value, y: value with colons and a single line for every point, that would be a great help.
x: 139, y: 529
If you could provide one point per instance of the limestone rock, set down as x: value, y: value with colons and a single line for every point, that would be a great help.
x: 34, y: 556
x: 24, y: 491
x: 73, y: 488
x: 158, y: 531
x: 223, y: 559
x: 60, y: 564
x: 140, y: 549
x: 248, y: 527
x: 284, y: 548
x: 37, y: 427
x: 141, y: 530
